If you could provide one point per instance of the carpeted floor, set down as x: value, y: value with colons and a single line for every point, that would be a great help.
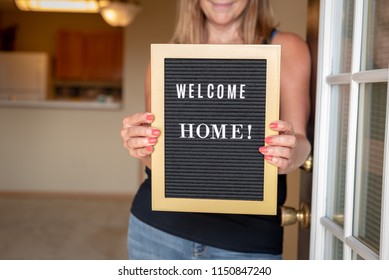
x: 63, y: 228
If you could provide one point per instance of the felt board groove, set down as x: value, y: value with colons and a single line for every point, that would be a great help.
x: 214, y: 167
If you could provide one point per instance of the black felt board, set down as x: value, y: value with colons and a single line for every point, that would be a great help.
x: 214, y: 167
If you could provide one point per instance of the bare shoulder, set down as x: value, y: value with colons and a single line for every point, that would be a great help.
x: 292, y: 45
x: 288, y: 39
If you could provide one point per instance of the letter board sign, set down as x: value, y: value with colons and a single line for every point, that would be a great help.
x: 213, y: 104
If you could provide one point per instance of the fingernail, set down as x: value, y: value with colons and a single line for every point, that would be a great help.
x: 152, y: 140
x: 273, y: 125
x: 267, y: 157
x: 263, y: 150
x: 149, y: 117
x: 149, y: 148
x: 268, y: 140
x: 155, y: 132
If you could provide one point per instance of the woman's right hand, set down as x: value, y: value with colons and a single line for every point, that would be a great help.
x: 138, y: 136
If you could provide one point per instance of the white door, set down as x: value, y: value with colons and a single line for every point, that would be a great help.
x: 350, y: 196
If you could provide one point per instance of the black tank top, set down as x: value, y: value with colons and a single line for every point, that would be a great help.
x: 241, y: 233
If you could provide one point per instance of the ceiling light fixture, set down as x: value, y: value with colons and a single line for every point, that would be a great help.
x: 81, y: 6
x: 114, y: 12
x: 119, y: 13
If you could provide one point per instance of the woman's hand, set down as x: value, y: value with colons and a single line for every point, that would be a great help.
x: 280, y: 148
x: 138, y: 136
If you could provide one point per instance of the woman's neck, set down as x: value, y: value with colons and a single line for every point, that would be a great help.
x: 217, y: 34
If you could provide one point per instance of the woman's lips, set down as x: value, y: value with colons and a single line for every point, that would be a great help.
x: 222, y: 5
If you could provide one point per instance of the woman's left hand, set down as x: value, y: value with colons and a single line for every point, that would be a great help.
x: 280, y: 148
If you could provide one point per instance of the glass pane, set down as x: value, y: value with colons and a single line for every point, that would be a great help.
x: 343, y: 37
x: 376, y: 36
x: 355, y: 256
x: 370, y: 154
x: 337, y: 249
x: 338, y: 153
x: 334, y: 250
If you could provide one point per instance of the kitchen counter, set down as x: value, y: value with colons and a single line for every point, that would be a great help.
x: 60, y: 104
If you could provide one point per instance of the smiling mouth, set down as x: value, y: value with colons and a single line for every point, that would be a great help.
x: 222, y: 5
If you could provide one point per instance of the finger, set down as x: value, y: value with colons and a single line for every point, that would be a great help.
x: 281, y: 140
x: 138, y: 119
x: 141, y: 153
x: 282, y: 126
x: 139, y: 131
x: 140, y: 142
x: 277, y: 151
x: 143, y: 131
x: 281, y: 163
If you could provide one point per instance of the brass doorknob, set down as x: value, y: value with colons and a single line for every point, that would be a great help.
x: 290, y: 215
x: 308, y: 164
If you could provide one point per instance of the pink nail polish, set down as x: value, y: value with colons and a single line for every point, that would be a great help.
x: 149, y: 117
x: 267, y: 157
x: 149, y: 148
x: 273, y: 125
x: 152, y: 140
x: 155, y: 132
x: 263, y: 150
x: 269, y: 140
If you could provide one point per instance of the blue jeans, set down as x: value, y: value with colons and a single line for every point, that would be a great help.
x: 148, y: 243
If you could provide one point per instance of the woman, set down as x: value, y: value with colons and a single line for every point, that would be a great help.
x: 172, y: 235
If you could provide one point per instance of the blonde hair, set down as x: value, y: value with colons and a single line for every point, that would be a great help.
x: 258, y: 22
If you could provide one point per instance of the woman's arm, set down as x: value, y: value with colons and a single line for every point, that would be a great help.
x: 290, y: 148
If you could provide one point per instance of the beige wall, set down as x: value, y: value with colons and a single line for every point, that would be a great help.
x: 292, y: 15
x: 65, y: 150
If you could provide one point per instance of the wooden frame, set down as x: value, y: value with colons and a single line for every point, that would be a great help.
x: 161, y: 54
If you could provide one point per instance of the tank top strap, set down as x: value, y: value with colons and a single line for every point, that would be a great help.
x: 272, y: 34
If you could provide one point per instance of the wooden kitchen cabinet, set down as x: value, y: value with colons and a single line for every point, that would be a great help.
x: 89, y: 55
